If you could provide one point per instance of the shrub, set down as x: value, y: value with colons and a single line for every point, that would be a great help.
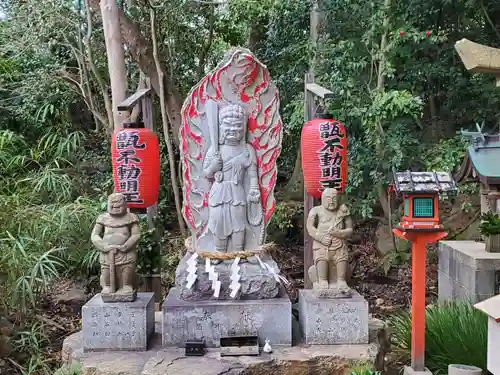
x: 455, y: 333
x: 490, y: 224
x: 363, y: 368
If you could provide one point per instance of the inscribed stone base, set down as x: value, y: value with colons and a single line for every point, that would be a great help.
x: 467, y: 271
x: 118, y: 325
x: 212, y: 319
x: 410, y: 371
x: 333, y: 321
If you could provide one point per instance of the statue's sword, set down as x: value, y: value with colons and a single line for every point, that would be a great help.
x: 112, y: 270
x: 212, y: 113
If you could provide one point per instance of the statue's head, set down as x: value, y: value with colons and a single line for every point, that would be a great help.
x: 232, y: 123
x: 117, y: 204
x: 330, y: 199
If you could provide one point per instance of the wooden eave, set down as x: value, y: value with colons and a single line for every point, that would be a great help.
x: 468, y: 171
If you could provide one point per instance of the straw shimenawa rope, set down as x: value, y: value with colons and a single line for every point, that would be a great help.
x: 218, y: 255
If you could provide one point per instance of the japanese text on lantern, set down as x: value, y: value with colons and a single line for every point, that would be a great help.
x: 330, y: 156
x: 128, y: 168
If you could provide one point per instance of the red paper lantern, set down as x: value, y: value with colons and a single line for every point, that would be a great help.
x: 136, y: 166
x: 324, y: 155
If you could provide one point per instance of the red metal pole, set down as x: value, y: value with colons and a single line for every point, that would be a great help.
x: 418, y: 303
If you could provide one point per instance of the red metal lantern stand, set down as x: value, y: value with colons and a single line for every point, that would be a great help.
x: 419, y: 240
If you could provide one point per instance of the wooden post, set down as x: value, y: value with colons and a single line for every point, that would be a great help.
x: 310, y: 91
x: 419, y: 240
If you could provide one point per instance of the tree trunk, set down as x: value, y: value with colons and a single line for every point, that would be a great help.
x: 141, y: 51
x: 294, y: 189
x: 171, y: 157
x: 382, y: 193
x: 116, y: 58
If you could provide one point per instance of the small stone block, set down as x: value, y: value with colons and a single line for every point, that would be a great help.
x: 333, y: 321
x: 410, y: 371
x: 212, y: 319
x: 117, y: 297
x: 118, y: 326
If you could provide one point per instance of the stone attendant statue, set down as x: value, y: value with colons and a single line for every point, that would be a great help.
x: 230, y: 140
x: 116, y: 234
x: 330, y: 225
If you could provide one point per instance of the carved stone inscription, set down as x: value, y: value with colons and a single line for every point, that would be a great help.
x: 211, y: 320
x: 333, y: 321
x: 120, y: 326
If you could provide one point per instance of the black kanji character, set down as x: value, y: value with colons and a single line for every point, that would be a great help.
x: 129, y: 186
x: 335, y: 172
x: 331, y: 171
x: 337, y: 159
x: 324, y: 126
x: 325, y: 159
x: 128, y: 173
x: 336, y: 131
x: 332, y: 183
x: 126, y: 156
x: 331, y: 145
x: 324, y: 130
x: 128, y: 139
x: 132, y: 197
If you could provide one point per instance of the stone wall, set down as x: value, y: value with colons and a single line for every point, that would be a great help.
x: 466, y: 270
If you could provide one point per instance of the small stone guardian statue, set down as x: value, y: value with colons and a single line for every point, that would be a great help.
x: 330, y: 225
x: 115, y: 235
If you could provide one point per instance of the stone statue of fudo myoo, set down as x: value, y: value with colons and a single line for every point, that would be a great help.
x: 330, y: 225
x: 115, y: 235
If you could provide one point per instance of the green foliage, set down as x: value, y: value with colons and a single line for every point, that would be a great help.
x: 396, y: 256
x: 73, y: 369
x: 455, y: 332
x: 364, y: 371
x: 445, y: 155
x: 490, y: 224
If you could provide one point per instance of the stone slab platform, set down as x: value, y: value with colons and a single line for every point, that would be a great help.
x: 211, y: 319
x: 467, y: 271
x: 333, y: 321
x: 118, y: 326
x: 297, y: 360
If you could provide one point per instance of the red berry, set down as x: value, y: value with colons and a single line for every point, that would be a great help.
x: 427, y: 33
x: 401, y: 33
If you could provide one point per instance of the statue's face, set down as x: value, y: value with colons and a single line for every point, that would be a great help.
x: 330, y: 199
x: 233, y: 128
x: 117, y: 204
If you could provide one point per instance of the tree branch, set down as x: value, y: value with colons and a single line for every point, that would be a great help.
x: 166, y: 132
x: 206, y: 47
x: 140, y: 50
x: 100, y: 81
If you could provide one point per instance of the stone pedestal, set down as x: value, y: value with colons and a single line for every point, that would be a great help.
x: 119, y: 325
x: 333, y: 321
x: 467, y: 271
x: 212, y: 319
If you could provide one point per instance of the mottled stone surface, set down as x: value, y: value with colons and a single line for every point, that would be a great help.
x: 467, y: 271
x: 118, y: 326
x: 333, y: 321
x: 212, y: 319
x: 298, y: 360
x: 115, y: 297
x: 256, y: 282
